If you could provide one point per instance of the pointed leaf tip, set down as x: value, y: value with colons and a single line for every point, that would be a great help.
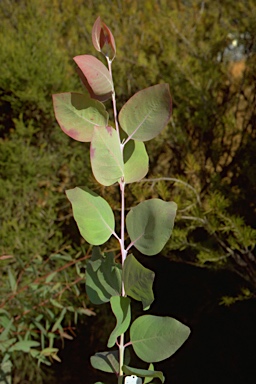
x: 103, y: 39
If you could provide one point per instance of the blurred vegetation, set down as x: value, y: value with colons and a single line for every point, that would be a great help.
x: 206, y: 51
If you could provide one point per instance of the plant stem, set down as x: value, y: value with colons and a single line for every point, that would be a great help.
x: 121, y: 240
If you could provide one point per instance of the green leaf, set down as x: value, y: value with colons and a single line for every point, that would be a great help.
x: 57, y: 324
x: 122, y: 311
x: 106, y: 157
x: 143, y: 373
x: 103, y: 277
x: 156, y: 338
x: 94, y: 216
x: 12, y: 280
x: 77, y: 115
x: 96, y: 74
x: 146, y: 113
x: 150, y: 225
x: 106, y: 361
x: 138, y: 281
x: 24, y: 345
x: 135, y: 161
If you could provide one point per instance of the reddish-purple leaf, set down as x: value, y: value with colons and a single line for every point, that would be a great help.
x: 78, y: 114
x: 103, y: 39
x: 98, y: 78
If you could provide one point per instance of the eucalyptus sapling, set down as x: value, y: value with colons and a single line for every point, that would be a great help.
x: 118, y: 156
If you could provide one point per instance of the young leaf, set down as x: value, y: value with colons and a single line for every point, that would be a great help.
x: 106, y: 361
x: 106, y: 157
x: 77, y: 115
x: 146, y: 113
x: 144, y: 373
x: 103, y: 39
x: 156, y: 338
x: 94, y: 216
x: 103, y: 277
x: 135, y: 161
x: 150, y: 225
x: 96, y: 73
x: 122, y: 311
x: 138, y: 281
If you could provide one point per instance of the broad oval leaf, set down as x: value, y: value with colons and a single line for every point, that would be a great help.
x: 135, y: 161
x: 156, y: 338
x: 138, y: 281
x: 143, y: 373
x: 146, y: 113
x: 103, y: 277
x: 77, y: 115
x: 96, y: 73
x: 150, y: 225
x: 103, y: 39
x: 122, y: 310
x: 94, y: 216
x: 106, y: 157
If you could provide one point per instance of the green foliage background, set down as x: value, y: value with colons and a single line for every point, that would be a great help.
x: 206, y: 154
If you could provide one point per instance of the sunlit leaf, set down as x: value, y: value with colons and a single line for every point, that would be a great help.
x: 106, y: 157
x: 150, y: 225
x: 97, y: 75
x: 135, y: 161
x: 156, y: 338
x: 77, y: 115
x: 146, y: 113
x: 138, y: 281
x: 24, y: 345
x: 94, y: 216
x: 122, y: 311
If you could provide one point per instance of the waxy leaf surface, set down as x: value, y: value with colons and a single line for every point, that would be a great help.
x: 150, y: 225
x: 93, y: 215
x: 103, y: 39
x: 135, y: 161
x: 138, y: 281
x: 103, y: 277
x: 122, y: 311
x: 106, y: 157
x: 146, y: 113
x: 144, y: 373
x: 96, y: 74
x: 156, y: 338
x: 77, y: 115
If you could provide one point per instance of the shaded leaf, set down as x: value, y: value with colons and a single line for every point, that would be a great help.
x: 106, y: 361
x: 146, y: 113
x: 103, y: 39
x: 135, y: 161
x: 96, y: 74
x: 143, y: 373
x: 106, y: 157
x: 122, y: 311
x: 103, y: 277
x: 94, y: 216
x: 138, y: 281
x: 77, y: 115
x: 156, y: 338
x: 150, y: 225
